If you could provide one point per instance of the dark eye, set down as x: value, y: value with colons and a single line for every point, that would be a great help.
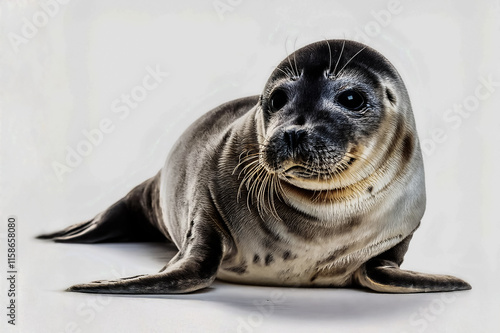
x: 351, y: 99
x: 278, y: 100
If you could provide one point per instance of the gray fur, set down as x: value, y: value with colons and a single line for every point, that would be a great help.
x: 289, y: 188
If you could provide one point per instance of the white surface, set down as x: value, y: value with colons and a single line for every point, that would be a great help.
x: 64, y: 79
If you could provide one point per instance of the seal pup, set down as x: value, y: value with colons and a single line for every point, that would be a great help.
x: 318, y: 181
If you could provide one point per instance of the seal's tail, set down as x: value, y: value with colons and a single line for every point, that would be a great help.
x: 128, y: 220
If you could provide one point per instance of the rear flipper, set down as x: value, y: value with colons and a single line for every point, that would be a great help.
x: 383, y: 274
x: 193, y: 268
x: 129, y: 219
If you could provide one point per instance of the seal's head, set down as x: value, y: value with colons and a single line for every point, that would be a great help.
x: 327, y: 113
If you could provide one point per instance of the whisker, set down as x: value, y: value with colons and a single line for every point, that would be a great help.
x: 294, y: 58
x: 251, y: 164
x: 288, y: 59
x: 243, y: 161
x: 338, y: 60
x: 350, y: 60
x: 260, y: 189
x: 285, y: 72
x: 330, y: 57
x: 245, y: 181
x: 260, y: 184
x: 251, y: 188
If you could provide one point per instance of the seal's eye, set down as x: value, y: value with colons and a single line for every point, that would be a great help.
x: 351, y: 99
x: 278, y: 100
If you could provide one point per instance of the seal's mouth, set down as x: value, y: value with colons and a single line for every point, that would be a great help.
x: 298, y: 171
x: 324, y: 172
x: 305, y: 172
x: 308, y: 175
x: 323, y: 167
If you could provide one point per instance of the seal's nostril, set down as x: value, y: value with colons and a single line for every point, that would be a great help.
x: 293, y: 138
x: 301, y: 134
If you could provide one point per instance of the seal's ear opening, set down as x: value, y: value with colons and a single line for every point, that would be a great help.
x: 390, y: 96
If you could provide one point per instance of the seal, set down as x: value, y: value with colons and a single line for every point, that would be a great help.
x: 318, y: 181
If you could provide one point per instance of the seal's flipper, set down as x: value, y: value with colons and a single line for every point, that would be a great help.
x: 386, y: 276
x: 193, y: 268
x: 127, y: 220
x: 71, y: 230
x: 382, y: 273
x: 116, y: 224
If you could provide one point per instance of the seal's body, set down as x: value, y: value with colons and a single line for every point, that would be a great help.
x: 319, y: 181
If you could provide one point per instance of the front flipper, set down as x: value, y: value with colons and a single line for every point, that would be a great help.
x: 193, y: 268
x: 386, y: 276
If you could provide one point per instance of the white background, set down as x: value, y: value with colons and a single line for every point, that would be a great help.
x: 63, y: 79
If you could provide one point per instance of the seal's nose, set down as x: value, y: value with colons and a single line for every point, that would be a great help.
x: 293, y: 137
